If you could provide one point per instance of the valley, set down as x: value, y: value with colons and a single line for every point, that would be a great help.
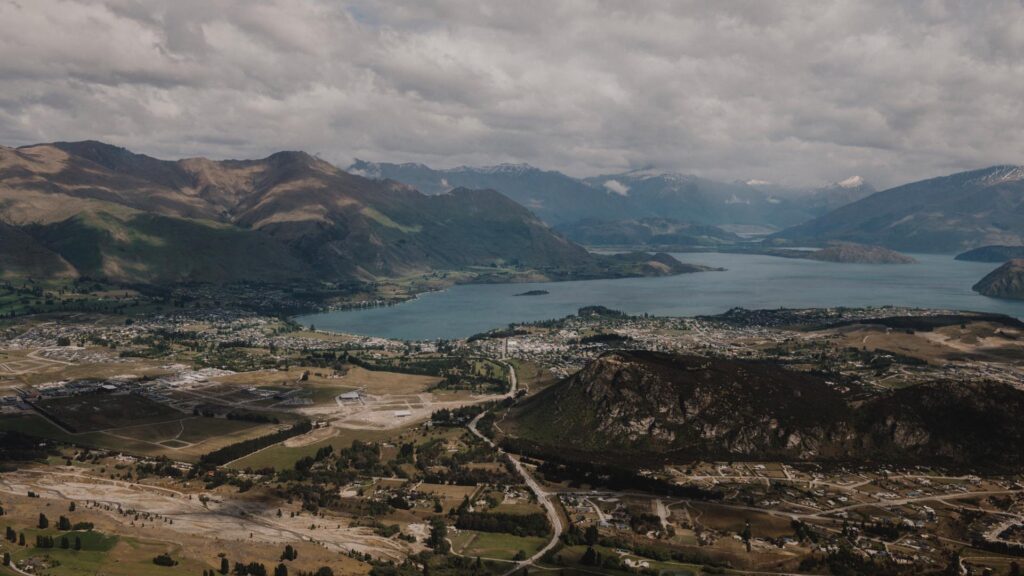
x: 206, y: 434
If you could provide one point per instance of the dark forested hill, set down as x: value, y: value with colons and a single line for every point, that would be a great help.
x: 688, y: 407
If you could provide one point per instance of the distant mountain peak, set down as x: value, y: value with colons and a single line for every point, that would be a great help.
x: 365, y: 169
x: 512, y: 169
x: 1000, y: 174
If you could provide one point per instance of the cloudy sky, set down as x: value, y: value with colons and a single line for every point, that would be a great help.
x: 790, y: 92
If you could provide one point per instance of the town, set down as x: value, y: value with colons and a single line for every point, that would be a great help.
x: 202, y: 440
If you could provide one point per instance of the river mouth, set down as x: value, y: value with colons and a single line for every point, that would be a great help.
x: 749, y: 281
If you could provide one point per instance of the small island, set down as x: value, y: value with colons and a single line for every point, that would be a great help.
x: 1007, y: 281
x: 533, y: 293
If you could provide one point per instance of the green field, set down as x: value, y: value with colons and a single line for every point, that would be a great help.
x: 102, y: 554
x: 495, y: 545
x: 281, y: 457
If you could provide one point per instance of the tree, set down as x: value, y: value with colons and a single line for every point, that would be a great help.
x: 289, y: 553
x: 746, y: 534
x: 281, y: 570
x: 63, y: 523
x: 78, y: 543
x: 225, y: 566
x: 164, y: 560
x: 71, y: 507
x: 438, y: 535
x: 589, y: 557
x: 1014, y: 569
x: 591, y: 535
x: 43, y: 521
x: 64, y: 542
x: 21, y: 539
x: 7, y: 558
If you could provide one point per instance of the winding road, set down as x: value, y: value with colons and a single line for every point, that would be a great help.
x: 545, y: 498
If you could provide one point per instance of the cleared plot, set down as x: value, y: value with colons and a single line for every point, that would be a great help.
x: 732, y: 520
x: 95, y: 370
x: 451, y: 496
x: 93, y: 412
x: 518, y: 508
x: 386, y: 382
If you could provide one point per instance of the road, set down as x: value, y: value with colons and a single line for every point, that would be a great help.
x: 546, y: 499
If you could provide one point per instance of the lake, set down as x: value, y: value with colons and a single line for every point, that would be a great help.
x: 750, y: 281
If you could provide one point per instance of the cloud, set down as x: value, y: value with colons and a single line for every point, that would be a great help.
x: 617, y: 187
x: 789, y: 92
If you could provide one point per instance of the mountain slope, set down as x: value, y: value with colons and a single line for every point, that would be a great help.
x: 22, y: 256
x: 680, y: 408
x: 992, y: 254
x: 646, y: 231
x: 129, y: 217
x: 946, y: 214
x: 553, y: 196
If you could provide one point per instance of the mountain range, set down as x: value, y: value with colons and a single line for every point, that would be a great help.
x: 947, y: 214
x: 92, y: 209
x: 943, y: 215
x: 563, y: 201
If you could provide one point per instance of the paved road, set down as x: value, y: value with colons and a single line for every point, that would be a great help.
x: 545, y: 498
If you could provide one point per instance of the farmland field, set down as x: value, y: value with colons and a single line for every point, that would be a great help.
x: 99, y: 412
x: 495, y: 545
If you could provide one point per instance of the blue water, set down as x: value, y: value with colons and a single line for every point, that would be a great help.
x: 936, y: 281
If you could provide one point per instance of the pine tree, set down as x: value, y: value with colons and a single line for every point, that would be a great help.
x: 43, y: 521
x: 224, y: 565
x: 281, y: 570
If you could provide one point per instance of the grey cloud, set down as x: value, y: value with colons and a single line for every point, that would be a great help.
x: 792, y: 92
